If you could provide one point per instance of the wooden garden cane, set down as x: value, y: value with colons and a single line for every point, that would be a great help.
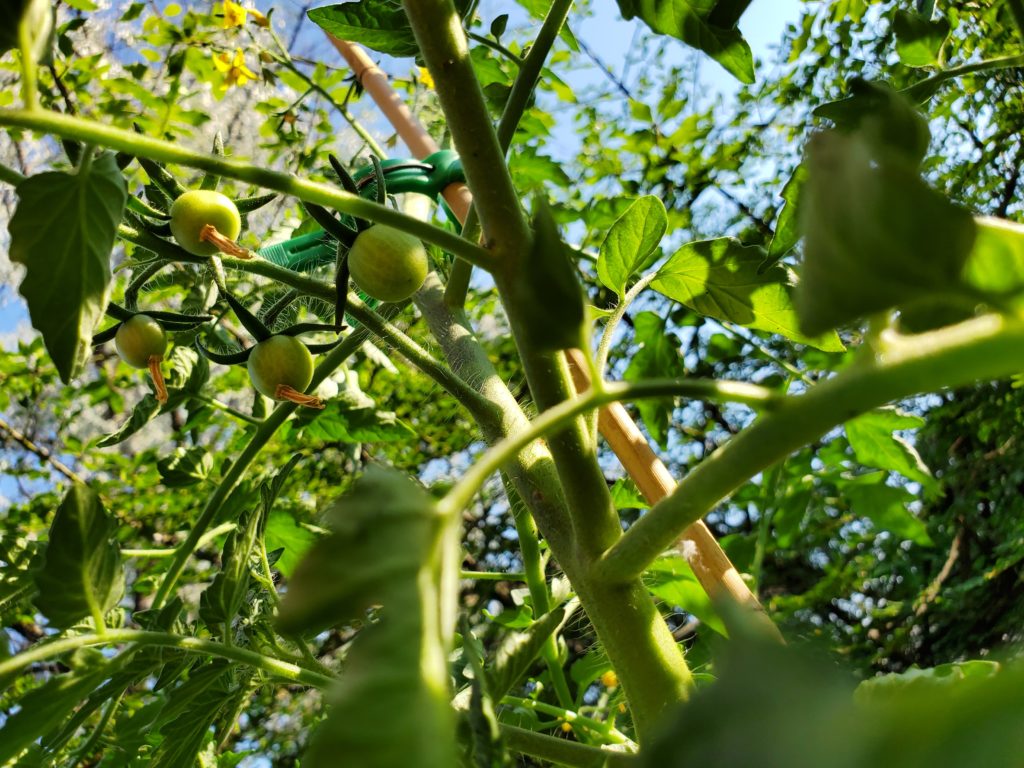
x: 710, y: 565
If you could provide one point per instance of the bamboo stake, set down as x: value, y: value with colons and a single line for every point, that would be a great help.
x: 712, y: 567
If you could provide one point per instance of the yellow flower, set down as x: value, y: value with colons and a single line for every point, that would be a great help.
x: 426, y: 78
x: 566, y: 727
x: 234, y: 15
x: 609, y: 679
x: 234, y: 70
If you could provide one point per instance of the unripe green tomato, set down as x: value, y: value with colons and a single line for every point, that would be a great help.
x: 280, y: 360
x: 387, y: 264
x: 197, y: 208
x: 139, y: 338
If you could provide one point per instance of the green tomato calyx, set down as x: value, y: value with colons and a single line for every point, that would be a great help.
x: 388, y: 264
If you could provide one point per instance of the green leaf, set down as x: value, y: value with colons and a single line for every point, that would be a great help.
x: 658, y: 357
x: 631, y: 244
x: 284, y: 533
x: 996, y: 263
x: 144, y: 411
x: 382, y: 26
x: 872, y: 439
x: 625, y: 495
x: 43, y: 709
x: 876, y: 236
x: 81, y: 573
x: 816, y: 722
x: 787, y: 227
x: 693, y: 22
x: 932, y: 681
x: 886, y: 508
x: 220, y: 601
x: 516, y: 653
x: 883, y: 117
x: 919, y: 39
x: 184, y: 467
x: 189, y: 713
x: 351, y: 421
x: 378, y: 24
x: 394, y: 700
x: 671, y: 579
x: 63, y: 231
x: 723, y: 279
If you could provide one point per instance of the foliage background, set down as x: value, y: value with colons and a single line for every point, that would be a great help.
x: 933, y: 577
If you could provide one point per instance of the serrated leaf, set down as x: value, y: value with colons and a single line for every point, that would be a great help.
x: 919, y: 40
x: 938, y: 680
x: 284, y: 533
x: 347, y: 421
x: 43, y: 709
x: 219, y: 603
x: 631, y: 244
x: 872, y: 439
x: 517, y: 652
x: 787, y: 227
x: 876, y: 236
x: 723, y: 279
x: 144, y: 411
x: 184, y: 467
x: 658, y: 357
x: 81, y: 573
x: 886, y: 508
x: 378, y: 24
x: 189, y: 713
x: 978, y: 722
x: 693, y: 22
x: 671, y: 579
x: 63, y: 231
x: 625, y: 495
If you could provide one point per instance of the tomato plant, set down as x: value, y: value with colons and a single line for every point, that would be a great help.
x: 654, y: 411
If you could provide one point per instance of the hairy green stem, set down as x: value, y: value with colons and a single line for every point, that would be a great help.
x: 983, y: 348
x: 606, y: 730
x: 205, y: 539
x: 48, y: 650
x: 605, y: 345
x: 529, y: 72
x: 558, y: 417
x: 443, y: 45
x: 562, y: 751
x: 925, y: 88
x: 135, y: 144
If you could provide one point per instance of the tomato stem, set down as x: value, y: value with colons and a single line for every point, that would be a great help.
x: 158, y: 378
x: 224, y: 244
x: 285, y: 392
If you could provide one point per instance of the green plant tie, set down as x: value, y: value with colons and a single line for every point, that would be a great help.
x: 427, y: 177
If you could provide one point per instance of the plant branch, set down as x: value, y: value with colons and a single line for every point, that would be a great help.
x: 605, y: 730
x: 41, y: 451
x: 48, y: 650
x: 90, y: 132
x: 562, y: 751
x: 983, y: 348
x: 557, y: 418
x: 925, y: 88
x: 445, y: 50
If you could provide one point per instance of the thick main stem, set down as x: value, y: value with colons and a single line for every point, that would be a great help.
x: 649, y: 663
